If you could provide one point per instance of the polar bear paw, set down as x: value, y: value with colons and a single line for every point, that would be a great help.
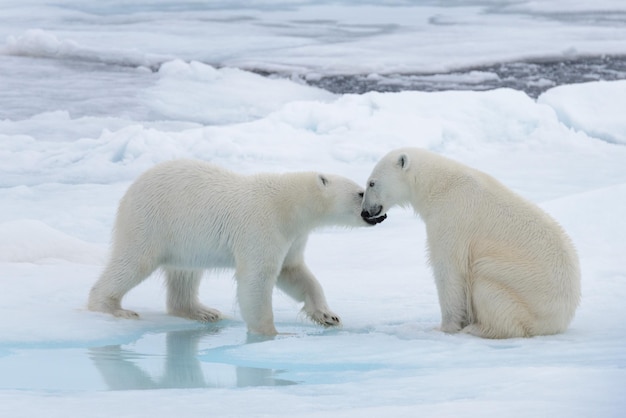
x: 450, y: 328
x: 325, y: 317
x: 199, y: 313
x: 207, y: 314
x: 125, y: 313
x: 112, y: 307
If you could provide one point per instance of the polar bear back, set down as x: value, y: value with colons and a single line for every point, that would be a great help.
x: 179, y: 207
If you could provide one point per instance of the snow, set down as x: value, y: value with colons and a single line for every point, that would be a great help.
x: 585, y: 109
x: 93, y: 94
x: 244, y: 96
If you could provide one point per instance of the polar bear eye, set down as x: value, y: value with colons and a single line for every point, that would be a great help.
x: 372, y: 183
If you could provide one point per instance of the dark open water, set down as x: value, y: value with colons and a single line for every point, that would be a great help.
x: 531, y: 77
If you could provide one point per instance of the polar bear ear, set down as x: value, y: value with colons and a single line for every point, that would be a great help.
x: 403, y: 161
x: 323, y: 180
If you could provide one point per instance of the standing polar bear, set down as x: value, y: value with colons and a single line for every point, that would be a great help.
x: 186, y: 216
x: 503, y: 268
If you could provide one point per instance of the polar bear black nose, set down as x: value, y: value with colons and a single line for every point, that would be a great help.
x: 373, y: 218
x: 373, y: 212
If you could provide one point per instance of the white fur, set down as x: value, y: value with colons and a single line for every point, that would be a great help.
x: 186, y: 216
x: 503, y: 267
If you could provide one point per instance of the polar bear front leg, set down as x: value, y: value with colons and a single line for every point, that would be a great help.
x: 452, y: 293
x: 299, y: 283
x: 182, y: 296
x: 254, y: 294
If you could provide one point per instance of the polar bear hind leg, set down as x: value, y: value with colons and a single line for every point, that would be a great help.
x: 182, y: 296
x: 498, y: 311
x: 119, y: 277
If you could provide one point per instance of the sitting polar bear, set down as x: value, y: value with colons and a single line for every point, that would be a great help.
x: 186, y: 216
x: 503, y: 268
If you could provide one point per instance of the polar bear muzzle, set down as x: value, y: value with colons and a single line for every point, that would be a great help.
x: 373, y: 217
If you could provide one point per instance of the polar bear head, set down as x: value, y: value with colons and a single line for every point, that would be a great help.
x: 339, y: 199
x: 387, y: 186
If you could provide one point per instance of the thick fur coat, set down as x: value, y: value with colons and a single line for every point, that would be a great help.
x: 503, y: 267
x: 187, y: 216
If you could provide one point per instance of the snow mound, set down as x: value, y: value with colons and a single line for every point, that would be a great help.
x: 201, y: 93
x: 31, y: 241
x: 588, y: 107
x: 43, y: 44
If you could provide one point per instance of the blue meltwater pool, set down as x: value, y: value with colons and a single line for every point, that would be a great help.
x: 173, y: 359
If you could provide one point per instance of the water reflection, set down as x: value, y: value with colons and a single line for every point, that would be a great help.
x: 180, y: 366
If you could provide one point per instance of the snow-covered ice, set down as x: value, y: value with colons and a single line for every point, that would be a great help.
x: 92, y: 94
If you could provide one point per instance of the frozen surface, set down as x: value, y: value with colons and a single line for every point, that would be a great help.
x: 92, y: 94
x: 328, y: 36
x: 91, y: 57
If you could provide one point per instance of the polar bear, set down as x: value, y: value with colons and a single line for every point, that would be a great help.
x: 503, y: 268
x: 186, y: 216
